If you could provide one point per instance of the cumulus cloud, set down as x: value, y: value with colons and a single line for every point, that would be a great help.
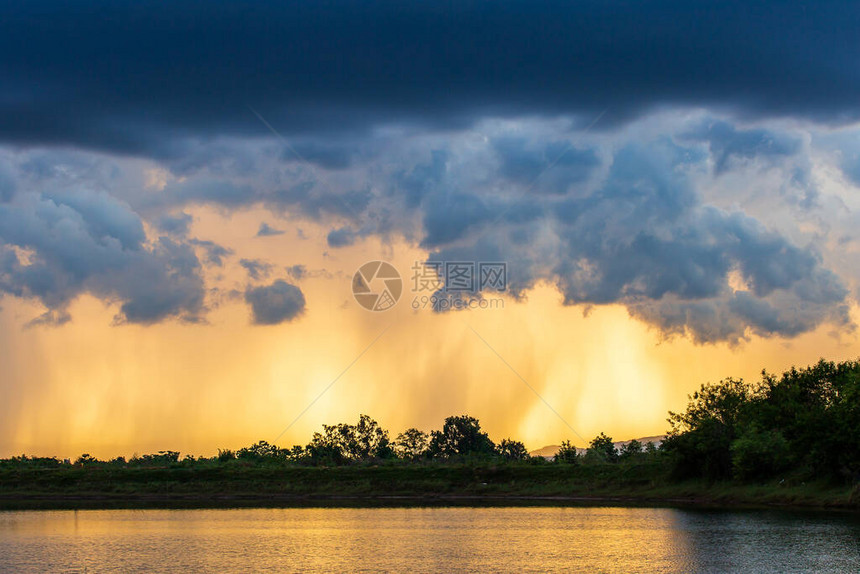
x: 608, y: 218
x: 551, y: 167
x: 7, y: 185
x: 276, y: 303
x: 302, y: 197
x: 644, y: 239
x: 728, y: 144
x: 174, y: 224
x: 471, y: 148
x: 55, y: 248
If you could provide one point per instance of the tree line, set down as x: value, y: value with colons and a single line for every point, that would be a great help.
x: 805, y: 422
x: 460, y: 439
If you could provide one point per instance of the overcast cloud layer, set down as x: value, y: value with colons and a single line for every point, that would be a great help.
x: 712, y: 196
x: 143, y: 77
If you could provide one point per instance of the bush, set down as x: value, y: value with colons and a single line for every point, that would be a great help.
x: 759, y: 454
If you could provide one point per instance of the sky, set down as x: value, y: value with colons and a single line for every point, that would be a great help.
x: 188, y: 189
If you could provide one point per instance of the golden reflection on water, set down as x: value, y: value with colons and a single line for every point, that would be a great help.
x: 426, y: 540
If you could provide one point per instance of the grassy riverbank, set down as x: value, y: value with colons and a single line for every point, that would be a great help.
x: 233, y: 485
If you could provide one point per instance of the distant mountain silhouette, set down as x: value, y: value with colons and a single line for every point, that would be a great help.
x: 550, y: 450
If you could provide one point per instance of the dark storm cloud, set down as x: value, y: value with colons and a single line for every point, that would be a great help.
x: 222, y: 192
x: 645, y: 240
x: 851, y: 166
x: 152, y: 77
x: 310, y: 199
x: 8, y: 186
x: 174, y: 224
x: 449, y: 214
x: 276, y: 303
x: 341, y: 237
x: 333, y: 154
x: 727, y: 143
x: 316, y: 201
x: 551, y: 167
x: 422, y: 179
x: 55, y: 248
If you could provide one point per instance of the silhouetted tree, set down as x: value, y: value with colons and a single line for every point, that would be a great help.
x: 86, y: 459
x: 566, y: 453
x: 411, y: 444
x: 759, y: 454
x: 630, y: 450
x: 602, y: 445
x: 460, y: 436
x: 512, y: 450
x: 261, y: 451
x: 225, y: 455
x: 343, y: 442
x: 701, y: 437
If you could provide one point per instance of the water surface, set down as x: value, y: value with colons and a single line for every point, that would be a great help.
x: 428, y: 540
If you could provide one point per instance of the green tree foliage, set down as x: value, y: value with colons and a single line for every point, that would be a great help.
x: 759, y: 454
x: 349, y: 443
x: 163, y: 458
x: 86, y: 459
x: 566, y: 454
x: 807, y: 420
x: 631, y: 450
x: 602, y: 446
x: 460, y: 436
x: 25, y: 461
x: 411, y: 444
x: 262, y: 451
x: 701, y: 436
x: 225, y: 455
x: 510, y: 449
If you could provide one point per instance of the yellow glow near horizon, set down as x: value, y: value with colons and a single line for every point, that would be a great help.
x: 91, y: 387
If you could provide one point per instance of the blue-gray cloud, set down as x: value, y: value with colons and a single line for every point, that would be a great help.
x: 341, y: 237
x: 153, y: 78
x: 174, y: 224
x: 276, y: 303
x: 267, y: 230
x: 645, y: 240
x: 215, y: 253
x: 608, y: 221
x: 297, y: 271
x: 8, y: 186
x: 727, y: 143
x: 551, y: 167
x: 307, y: 198
x: 256, y: 268
x: 58, y: 247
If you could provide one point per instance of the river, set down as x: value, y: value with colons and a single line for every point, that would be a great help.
x: 520, y: 539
